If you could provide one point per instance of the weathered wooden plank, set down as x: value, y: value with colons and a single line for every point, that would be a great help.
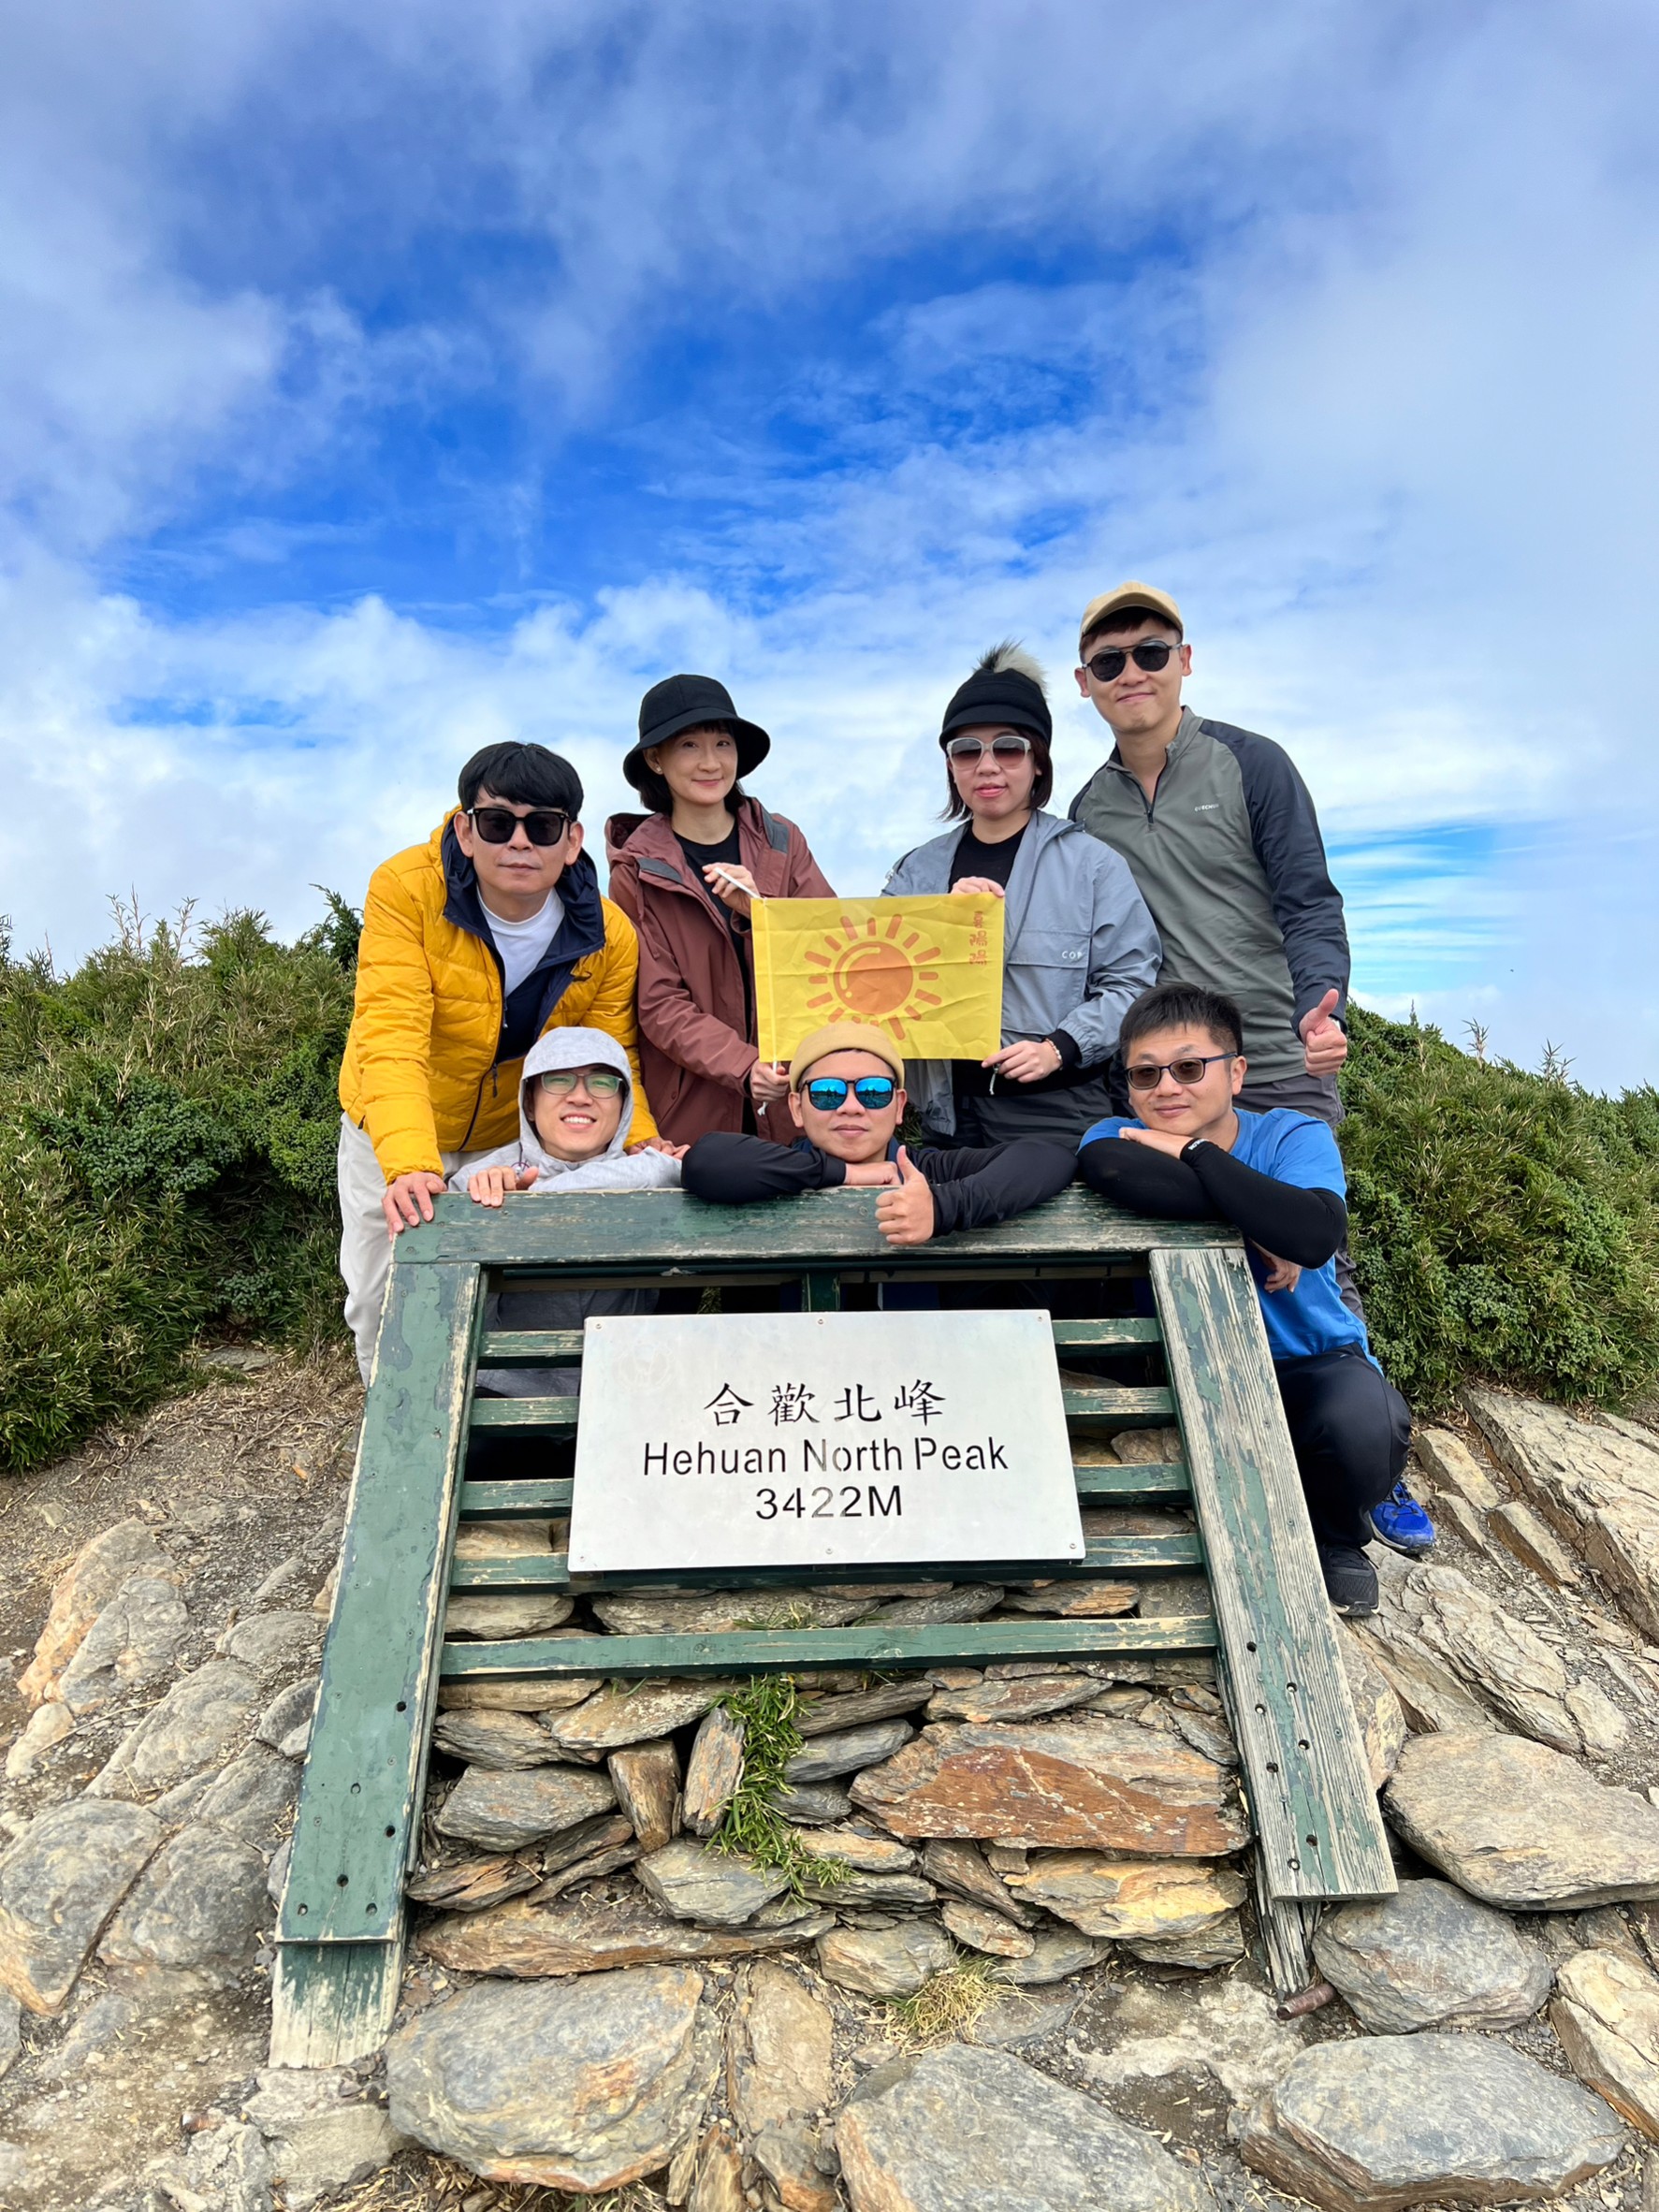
x: 529, y: 1348
x: 333, y: 2002
x: 1286, y: 1934
x: 562, y: 1348
x: 759, y: 1651
x: 1149, y: 1479
x: 534, y: 1499
x: 1116, y: 1404
x: 1104, y: 1555
x: 1081, y: 1336
x: 1315, y: 1809
x: 367, y: 1756
x: 622, y: 1231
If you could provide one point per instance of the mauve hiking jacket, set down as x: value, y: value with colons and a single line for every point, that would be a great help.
x: 697, y: 1041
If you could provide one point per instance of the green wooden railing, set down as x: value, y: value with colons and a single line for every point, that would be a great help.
x: 1319, y: 1836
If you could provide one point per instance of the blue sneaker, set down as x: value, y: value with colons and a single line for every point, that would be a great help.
x: 1401, y: 1523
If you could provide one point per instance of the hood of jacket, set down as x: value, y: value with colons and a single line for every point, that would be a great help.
x: 571, y: 1048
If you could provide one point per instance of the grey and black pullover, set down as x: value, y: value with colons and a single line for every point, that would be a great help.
x: 1229, y: 857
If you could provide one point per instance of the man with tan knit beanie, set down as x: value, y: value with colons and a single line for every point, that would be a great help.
x: 846, y: 1096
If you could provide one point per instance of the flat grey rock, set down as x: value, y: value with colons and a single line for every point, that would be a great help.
x: 502, y: 1741
x: 715, y: 1888
x: 11, y: 2038
x: 1019, y: 2016
x: 846, y: 1750
x: 194, y: 1727
x: 1429, y: 1956
x: 1388, y: 2121
x: 884, y: 1961
x: 198, y: 1905
x: 812, y: 1804
x: 584, y: 2086
x: 961, y: 1601
x: 59, y: 1883
x: 507, y: 1811
x: 136, y: 1639
x: 1518, y: 1825
x: 253, y: 1797
x: 965, y: 2129
x: 275, y: 1644
x: 1057, y: 1952
x: 92, y: 2030
x: 290, y: 1709
x: 320, y: 2132
x: 226, y: 2169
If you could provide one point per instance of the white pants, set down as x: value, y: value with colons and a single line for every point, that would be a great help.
x: 364, y: 1246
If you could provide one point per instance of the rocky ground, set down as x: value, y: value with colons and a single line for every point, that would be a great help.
x: 1010, y: 1963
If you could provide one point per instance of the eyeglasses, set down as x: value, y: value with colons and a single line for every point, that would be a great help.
x: 1152, y: 654
x: 872, y: 1092
x: 1006, y: 747
x: 1186, y: 1072
x: 543, y: 826
x: 603, y: 1082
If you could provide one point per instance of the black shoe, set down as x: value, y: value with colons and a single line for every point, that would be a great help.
x: 1350, y: 1580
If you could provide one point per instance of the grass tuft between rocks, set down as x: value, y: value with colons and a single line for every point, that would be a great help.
x: 948, y: 2004
x: 420, y: 2181
x: 766, y: 1708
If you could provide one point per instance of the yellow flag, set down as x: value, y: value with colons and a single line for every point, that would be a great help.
x: 928, y: 970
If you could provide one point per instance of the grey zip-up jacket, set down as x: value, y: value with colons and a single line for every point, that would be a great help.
x: 1228, y: 857
x: 1079, y: 946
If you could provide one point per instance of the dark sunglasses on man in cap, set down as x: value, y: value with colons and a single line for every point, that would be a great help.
x: 1151, y: 654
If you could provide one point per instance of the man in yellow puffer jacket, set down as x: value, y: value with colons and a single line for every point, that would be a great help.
x: 472, y: 944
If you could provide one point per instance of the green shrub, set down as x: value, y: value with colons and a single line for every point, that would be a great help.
x: 168, y: 1127
x: 1504, y: 1222
x: 167, y: 1123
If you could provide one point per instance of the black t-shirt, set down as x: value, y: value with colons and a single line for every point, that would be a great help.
x: 994, y: 862
x: 969, y: 1079
x: 727, y: 854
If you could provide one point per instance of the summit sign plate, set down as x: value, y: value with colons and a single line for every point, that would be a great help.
x: 814, y: 1440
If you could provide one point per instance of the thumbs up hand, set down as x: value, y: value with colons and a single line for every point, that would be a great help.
x: 1324, y: 1043
x: 906, y: 1216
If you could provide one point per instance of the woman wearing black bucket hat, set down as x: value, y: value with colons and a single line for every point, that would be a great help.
x: 684, y: 873
x: 1078, y: 942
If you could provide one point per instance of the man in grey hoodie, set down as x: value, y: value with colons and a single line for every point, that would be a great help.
x: 575, y: 1107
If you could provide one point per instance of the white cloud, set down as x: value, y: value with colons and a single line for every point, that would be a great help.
x: 1377, y: 407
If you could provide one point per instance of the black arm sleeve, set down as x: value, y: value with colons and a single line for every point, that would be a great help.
x: 973, y: 1188
x: 1306, y: 904
x: 729, y: 1170
x: 1302, y: 1226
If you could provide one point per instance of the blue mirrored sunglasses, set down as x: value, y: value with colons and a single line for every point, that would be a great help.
x: 873, y: 1092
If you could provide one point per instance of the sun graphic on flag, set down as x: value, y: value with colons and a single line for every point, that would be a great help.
x: 875, y: 974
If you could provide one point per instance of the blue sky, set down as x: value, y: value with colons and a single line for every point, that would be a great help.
x: 377, y: 381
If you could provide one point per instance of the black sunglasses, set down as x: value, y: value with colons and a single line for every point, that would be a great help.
x: 543, y: 826
x: 1186, y: 1072
x: 1152, y: 655
x: 872, y: 1092
x: 1006, y: 747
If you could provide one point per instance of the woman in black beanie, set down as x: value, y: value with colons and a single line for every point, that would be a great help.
x: 1079, y: 944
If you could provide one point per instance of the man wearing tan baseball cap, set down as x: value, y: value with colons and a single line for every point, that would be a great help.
x: 1221, y: 837
x: 846, y: 1092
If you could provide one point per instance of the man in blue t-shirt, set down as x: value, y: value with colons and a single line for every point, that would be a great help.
x: 1278, y: 1178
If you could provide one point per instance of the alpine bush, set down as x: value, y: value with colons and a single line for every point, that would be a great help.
x: 168, y: 1127
x: 167, y: 1123
x: 1504, y: 1222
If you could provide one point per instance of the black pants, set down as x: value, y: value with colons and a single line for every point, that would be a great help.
x: 1349, y: 1428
